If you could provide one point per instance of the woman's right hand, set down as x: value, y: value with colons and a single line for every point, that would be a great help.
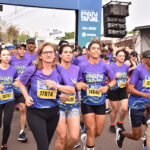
x: 118, y: 75
x: 1, y: 87
x: 29, y: 101
x: 84, y: 86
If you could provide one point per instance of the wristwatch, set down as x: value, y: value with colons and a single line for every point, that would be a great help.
x: 108, y: 86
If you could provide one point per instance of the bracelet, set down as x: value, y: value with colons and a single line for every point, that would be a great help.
x: 57, y: 86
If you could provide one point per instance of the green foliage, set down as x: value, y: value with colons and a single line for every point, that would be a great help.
x: 22, y: 38
x: 130, y: 32
x: 12, y: 33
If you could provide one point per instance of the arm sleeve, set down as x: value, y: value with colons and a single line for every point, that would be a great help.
x: 134, y: 77
x: 110, y: 73
x: 25, y: 77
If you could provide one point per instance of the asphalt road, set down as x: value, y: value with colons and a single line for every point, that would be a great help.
x: 105, y: 142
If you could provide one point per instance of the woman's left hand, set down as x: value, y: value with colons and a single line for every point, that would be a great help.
x: 63, y: 98
x: 103, y: 89
x: 51, y: 84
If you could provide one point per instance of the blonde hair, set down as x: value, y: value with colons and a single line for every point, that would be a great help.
x: 38, y: 63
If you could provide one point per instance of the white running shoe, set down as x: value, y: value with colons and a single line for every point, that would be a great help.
x: 83, y: 139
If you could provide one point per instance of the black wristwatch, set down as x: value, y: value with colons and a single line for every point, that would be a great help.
x: 108, y: 87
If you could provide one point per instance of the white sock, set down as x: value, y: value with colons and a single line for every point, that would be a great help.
x: 21, y: 131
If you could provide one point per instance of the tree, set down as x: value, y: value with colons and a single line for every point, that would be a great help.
x: 23, y: 38
x: 12, y: 33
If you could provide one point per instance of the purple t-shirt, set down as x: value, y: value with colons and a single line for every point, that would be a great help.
x: 121, y: 82
x: 73, y: 72
x: 20, y: 65
x: 31, y: 57
x: 80, y: 59
x: 7, y: 78
x: 141, y: 79
x: 43, y: 96
x: 94, y: 75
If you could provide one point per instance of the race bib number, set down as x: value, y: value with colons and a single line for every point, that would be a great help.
x: 146, y: 84
x: 93, y: 92
x: 46, y: 94
x: 6, y: 96
x: 121, y: 83
x: 71, y: 99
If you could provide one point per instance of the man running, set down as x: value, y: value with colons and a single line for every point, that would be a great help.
x: 139, y: 88
x: 21, y: 63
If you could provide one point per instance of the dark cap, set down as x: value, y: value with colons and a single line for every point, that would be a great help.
x: 134, y: 53
x: 31, y: 40
x: 104, y: 56
x: 19, y: 45
x: 146, y: 54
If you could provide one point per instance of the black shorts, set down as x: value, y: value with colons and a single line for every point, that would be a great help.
x: 118, y: 94
x: 19, y: 98
x: 137, y: 117
x: 97, y: 109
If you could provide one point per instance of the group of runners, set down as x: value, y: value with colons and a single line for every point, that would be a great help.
x: 53, y: 88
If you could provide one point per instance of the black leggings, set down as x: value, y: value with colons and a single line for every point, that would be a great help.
x: 8, y: 114
x: 43, y: 123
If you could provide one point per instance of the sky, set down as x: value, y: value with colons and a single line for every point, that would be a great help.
x: 45, y: 20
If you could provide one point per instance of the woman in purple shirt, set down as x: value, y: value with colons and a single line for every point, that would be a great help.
x: 8, y: 74
x: 92, y: 77
x: 118, y: 94
x: 46, y: 79
x: 69, y: 122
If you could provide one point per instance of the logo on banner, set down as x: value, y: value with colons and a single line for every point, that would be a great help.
x: 89, y: 15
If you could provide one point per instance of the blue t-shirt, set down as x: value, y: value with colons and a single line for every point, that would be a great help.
x: 73, y: 72
x: 7, y: 78
x: 94, y: 76
x: 20, y: 65
x: 120, y: 82
x: 141, y: 79
x: 43, y: 96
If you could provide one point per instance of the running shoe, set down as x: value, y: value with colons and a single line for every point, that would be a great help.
x: 120, y: 125
x: 22, y: 137
x: 143, y: 142
x: 82, y: 127
x: 4, y: 147
x: 77, y: 146
x: 112, y: 128
x: 107, y: 111
x: 119, y: 137
x: 83, y: 139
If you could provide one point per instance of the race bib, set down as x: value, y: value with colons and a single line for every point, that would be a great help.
x: 6, y: 96
x: 121, y: 83
x: 93, y: 92
x: 46, y: 94
x: 71, y: 99
x: 146, y: 84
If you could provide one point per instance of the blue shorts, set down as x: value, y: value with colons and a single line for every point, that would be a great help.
x: 137, y: 117
x: 69, y: 113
